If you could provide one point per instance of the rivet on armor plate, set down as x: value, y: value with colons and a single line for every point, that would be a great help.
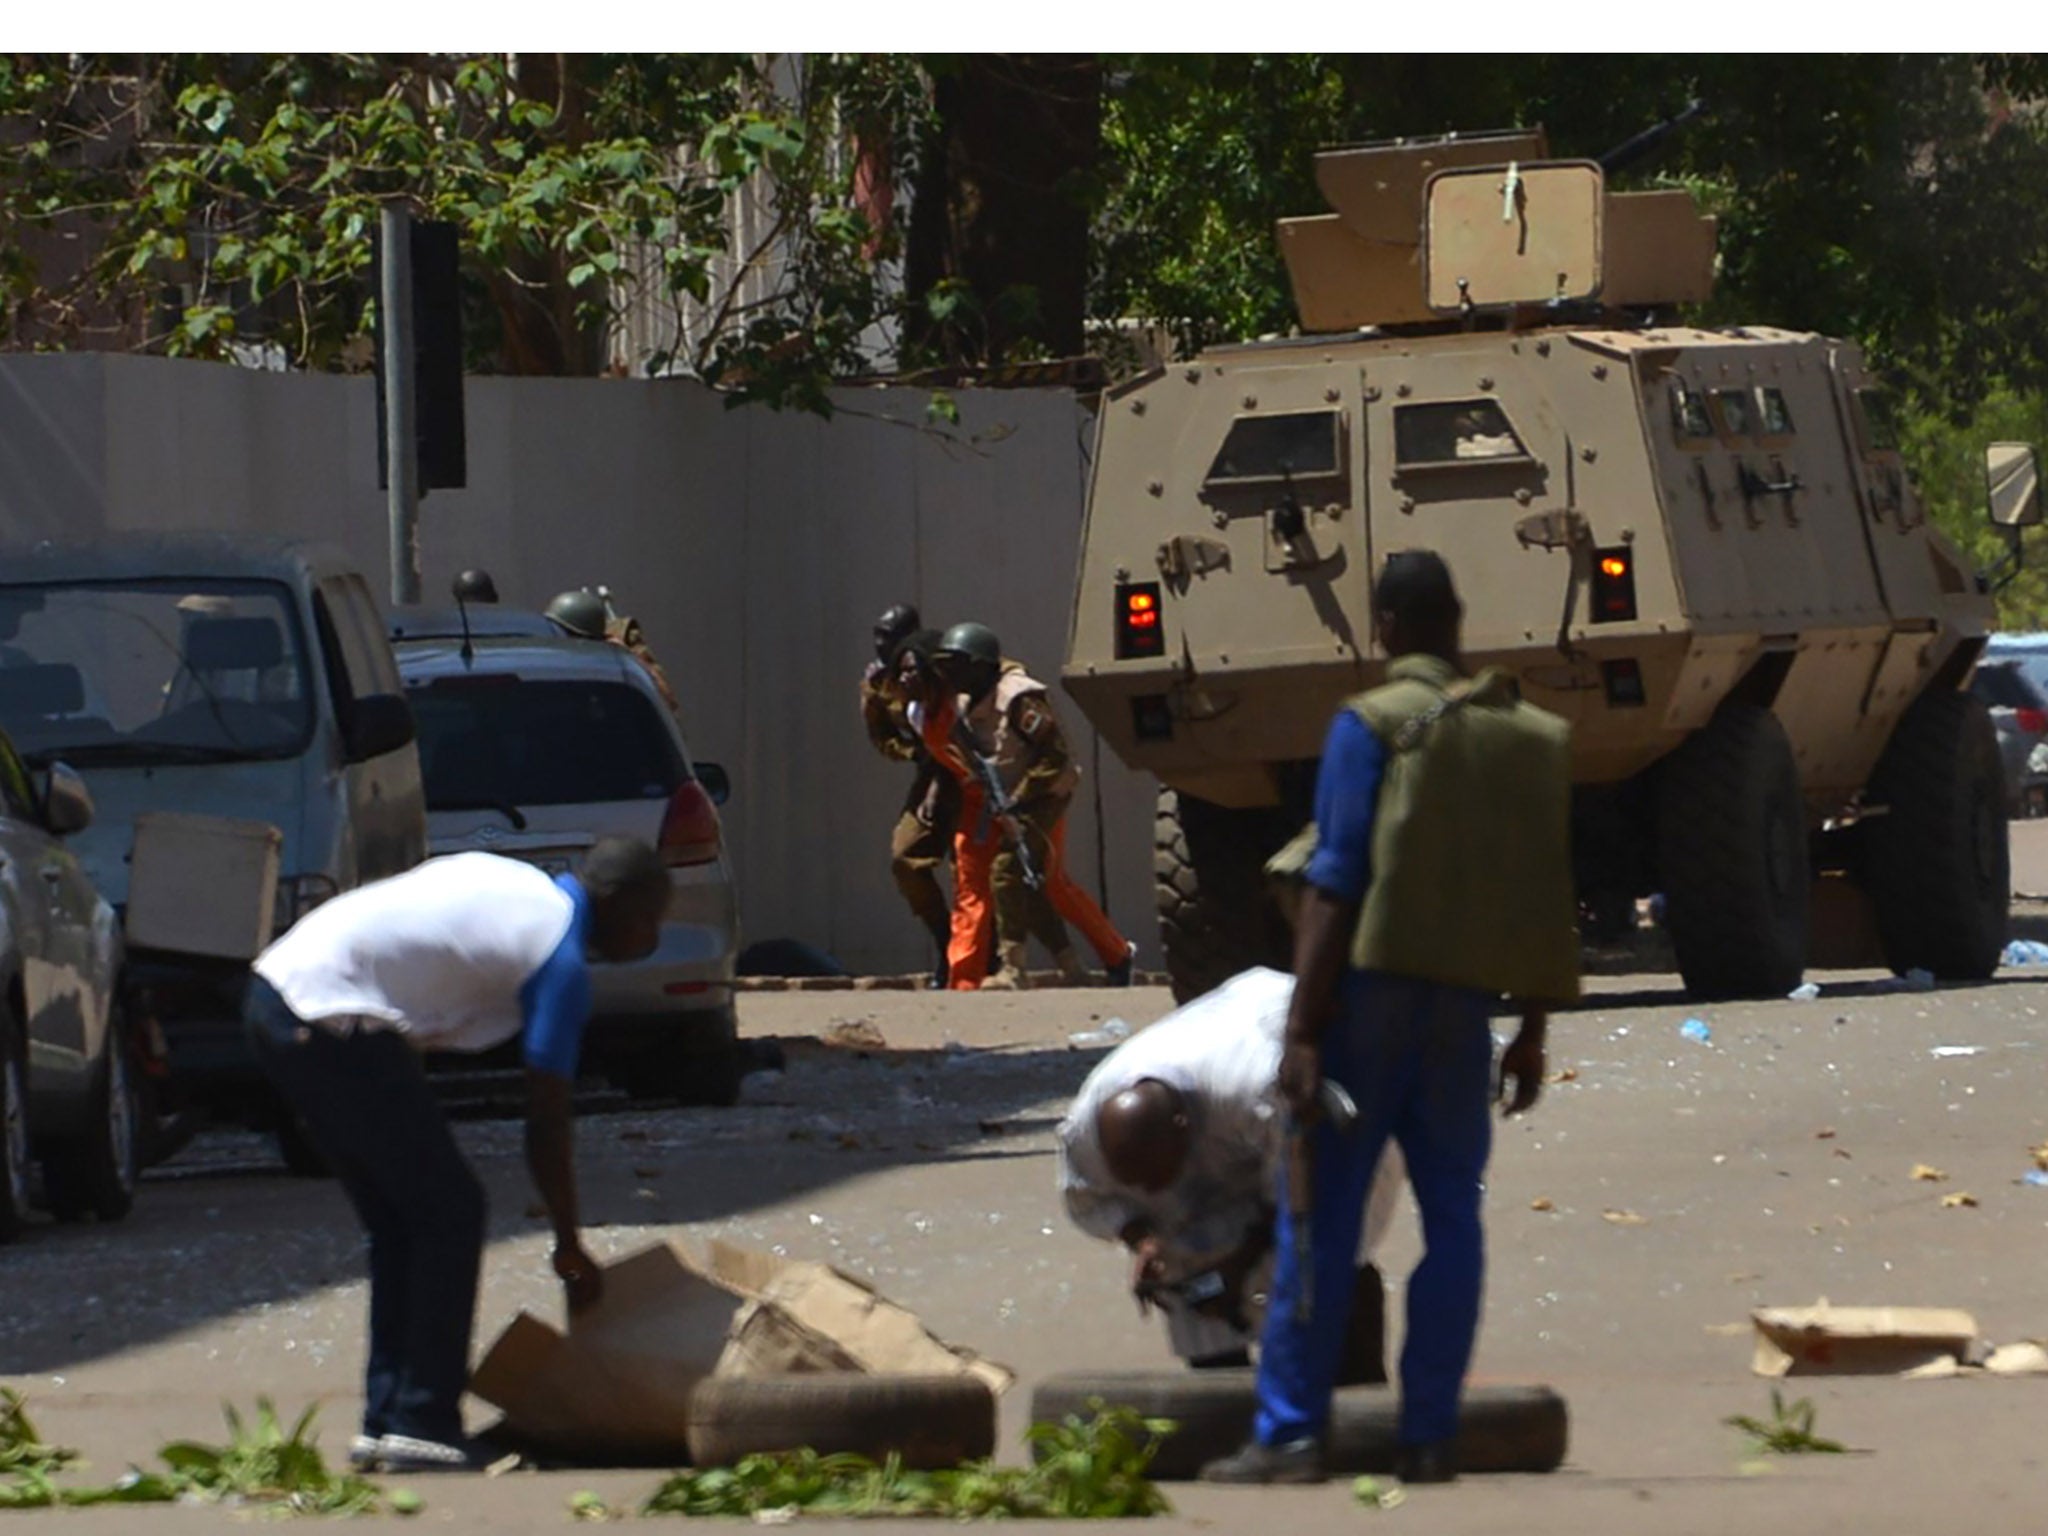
x: 1220, y: 519
x: 1156, y: 487
x: 1485, y: 381
x: 1330, y: 395
x: 1599, y: 370
x: 1543, y: 349
x: 1137, y: 407
x: 1589, y: 454
x: 1250, y: 401
x: 1402, y: 391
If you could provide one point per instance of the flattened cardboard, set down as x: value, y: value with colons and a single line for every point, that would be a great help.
x: 619, y: 1383
x: 1826, y: 1340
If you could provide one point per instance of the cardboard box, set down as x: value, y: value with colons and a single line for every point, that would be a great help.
x: 618, y: 1384
x: 203, y: 885
x: 1825, y: 1340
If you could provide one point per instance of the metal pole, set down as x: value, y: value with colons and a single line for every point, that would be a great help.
x: 401, y: 439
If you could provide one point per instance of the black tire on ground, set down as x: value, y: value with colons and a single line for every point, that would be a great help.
x: 1501, y: 1428
x: 14, y: 1139
x: 1936, y: 864
x: 1732, y: 856
x: 1216, y: 914
x: 931, y: 1422
x: 95, y: 1174
x: 701, y: 1064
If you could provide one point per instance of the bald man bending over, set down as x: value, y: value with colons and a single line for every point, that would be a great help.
x: 1172, y: 1147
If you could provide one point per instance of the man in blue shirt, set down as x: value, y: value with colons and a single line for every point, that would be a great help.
x: 461, y: 954
x: 1441, y: 881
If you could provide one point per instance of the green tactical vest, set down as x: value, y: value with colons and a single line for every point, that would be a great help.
x: 1471, y: 844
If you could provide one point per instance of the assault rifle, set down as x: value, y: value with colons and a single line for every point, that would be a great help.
x: 996, y: 802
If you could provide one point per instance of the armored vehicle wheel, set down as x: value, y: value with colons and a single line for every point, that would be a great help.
x: 1731, y: 851
x: 1937, y: 863
x: 1216, y: 916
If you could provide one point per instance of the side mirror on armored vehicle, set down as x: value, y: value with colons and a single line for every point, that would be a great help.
x: 2012, y: 480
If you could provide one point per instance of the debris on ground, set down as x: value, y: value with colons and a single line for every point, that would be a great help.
x: 1788, y: 1431
x: 1927, y: 1173
x: 1542, y: 1203
x: 2025, y: 952
x: 1112, y: 1032
x: 1961, y: 1199
x: 1825, y: 1340
x: 1805, y: 992
x: 1624, y: 1218
x: 1081, y: 1470
x: 619, y: 1381
x: 856, y: 1035
x: 1697, y: 1029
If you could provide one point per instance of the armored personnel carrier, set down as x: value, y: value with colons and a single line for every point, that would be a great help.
x: 1699, y: 546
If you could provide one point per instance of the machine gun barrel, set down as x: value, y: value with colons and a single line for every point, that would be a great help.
x: 1642, y: 145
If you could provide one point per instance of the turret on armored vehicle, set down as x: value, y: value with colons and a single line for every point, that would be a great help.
x: 1699, y: 546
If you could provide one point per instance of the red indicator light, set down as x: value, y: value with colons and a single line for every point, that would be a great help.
x: 1614, y: 567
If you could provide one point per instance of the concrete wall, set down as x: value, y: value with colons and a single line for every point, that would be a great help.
x: 756, y: 548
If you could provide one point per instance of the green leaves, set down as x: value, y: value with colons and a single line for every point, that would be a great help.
x: 1788, y: 1431
x: 1092, y: 1469
x: 263, y: 1463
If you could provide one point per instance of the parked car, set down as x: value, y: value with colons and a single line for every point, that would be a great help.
x: 2015, y: 689
x: 217, y: 675
x: 68, y: 1087
x: 535, y: 744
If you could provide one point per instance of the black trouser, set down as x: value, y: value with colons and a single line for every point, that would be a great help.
x: 366, y: 1107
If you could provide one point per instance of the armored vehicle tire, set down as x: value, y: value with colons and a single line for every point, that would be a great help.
x: 95, y: 1174
x: 1500, y: 1428
x: 1937, y: 865
x: 932, y: 1422
x: 1216, y: 916
x: 1732, y: 854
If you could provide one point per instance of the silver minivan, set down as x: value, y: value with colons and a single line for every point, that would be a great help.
x: 216, y: 675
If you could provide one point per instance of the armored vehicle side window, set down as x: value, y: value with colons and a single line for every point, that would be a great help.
x: 1737, y: 417
x: 1777, y: 415
x: 1295, y: 445
x: 1689, y: 416
x: 1454, y: 432
x: 1879, y: 424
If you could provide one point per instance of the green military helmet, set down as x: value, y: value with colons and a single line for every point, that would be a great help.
x: 580, y: 612
x: 970, y: 658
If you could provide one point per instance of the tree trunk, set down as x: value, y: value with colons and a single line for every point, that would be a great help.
x: 1001, y: 204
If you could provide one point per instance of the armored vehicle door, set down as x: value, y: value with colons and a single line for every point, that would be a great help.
x: 1913, y: 575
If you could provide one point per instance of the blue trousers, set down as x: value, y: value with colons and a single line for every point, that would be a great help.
x: 364, y: 1101
x: 1418, y: 1058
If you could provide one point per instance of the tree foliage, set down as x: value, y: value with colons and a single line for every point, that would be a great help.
x: 230, y: 199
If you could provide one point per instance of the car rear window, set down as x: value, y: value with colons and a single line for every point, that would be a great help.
x: 2002, y: 687
x: 514, y: 741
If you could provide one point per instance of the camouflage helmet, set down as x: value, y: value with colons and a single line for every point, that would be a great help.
x: 580, y: 612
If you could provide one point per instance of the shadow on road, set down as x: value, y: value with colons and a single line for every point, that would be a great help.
x: 223, y: 1229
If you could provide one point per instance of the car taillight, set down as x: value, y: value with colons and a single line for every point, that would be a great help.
x: 2033, y: 721
x: 690, y: 833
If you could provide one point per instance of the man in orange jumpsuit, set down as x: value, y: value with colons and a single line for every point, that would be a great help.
x: 1009, y: 723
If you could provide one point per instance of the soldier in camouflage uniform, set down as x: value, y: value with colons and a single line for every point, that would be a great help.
x: 931, y: 809
x: 590, y: 616
x: 1009, y: 720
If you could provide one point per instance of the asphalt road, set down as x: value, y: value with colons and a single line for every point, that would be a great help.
x: 1770, y: 1165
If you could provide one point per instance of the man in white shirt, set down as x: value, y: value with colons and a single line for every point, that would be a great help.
x: 457, y: 954
x: 1172, y: 1148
